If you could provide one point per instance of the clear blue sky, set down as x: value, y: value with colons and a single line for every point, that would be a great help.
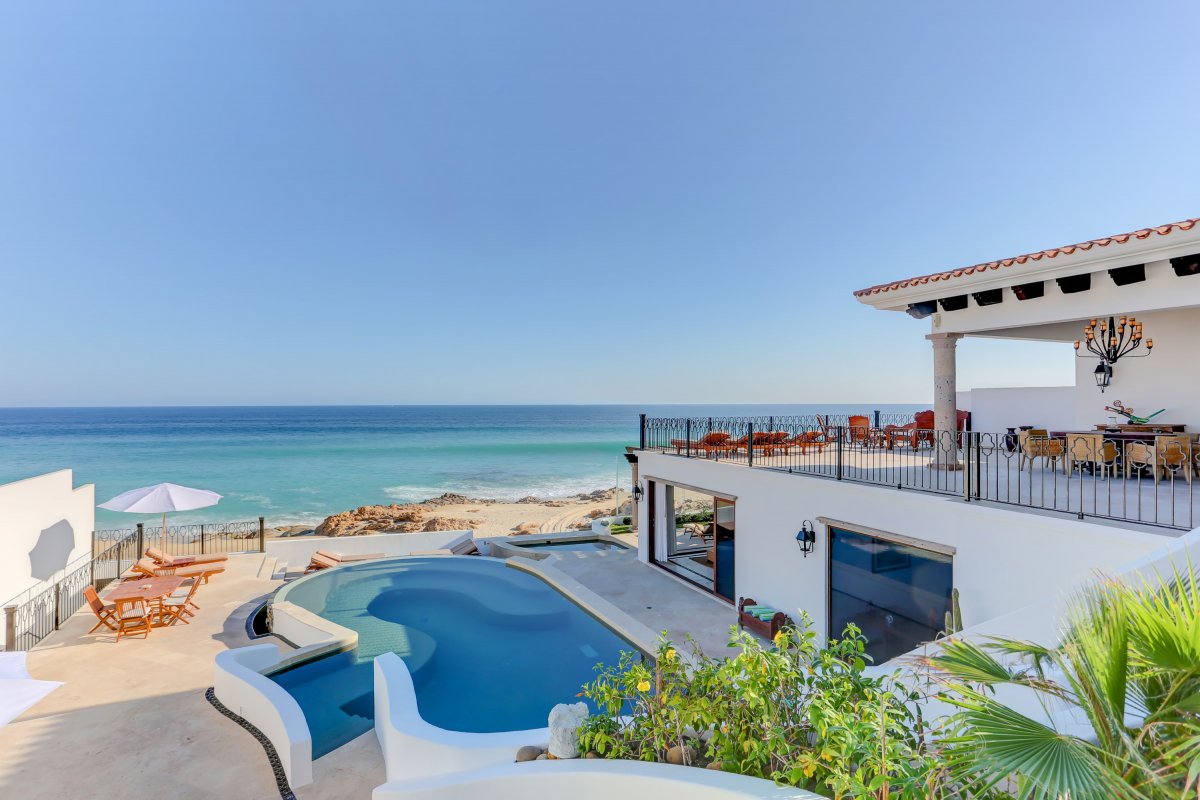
x: 617, y: 201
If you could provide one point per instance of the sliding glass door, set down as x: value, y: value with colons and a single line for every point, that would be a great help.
x: 897, y: 594
x: 694, y: 536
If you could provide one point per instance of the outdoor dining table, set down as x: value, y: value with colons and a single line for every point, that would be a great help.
x: 152, y: 590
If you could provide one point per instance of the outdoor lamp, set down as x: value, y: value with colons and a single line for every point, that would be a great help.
x: 637, y: 493
x: 1103, y: 375
x: 806, y: 538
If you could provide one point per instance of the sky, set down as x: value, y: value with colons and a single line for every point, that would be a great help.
x: 547, y: 202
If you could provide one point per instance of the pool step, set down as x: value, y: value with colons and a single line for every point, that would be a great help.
x: 268, y: 568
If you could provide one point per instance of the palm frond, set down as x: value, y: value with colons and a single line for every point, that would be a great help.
x: 1052, y: 764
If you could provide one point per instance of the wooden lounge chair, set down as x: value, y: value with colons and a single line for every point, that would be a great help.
x: 860, y: 431
x: 161, y: 558
x: 146, y: 567
x: 105, y: 612
x: 327, y: 559
x: 716, y: 442
x: 132, y: 615
x: 809, y: 439
x: 178, y: 605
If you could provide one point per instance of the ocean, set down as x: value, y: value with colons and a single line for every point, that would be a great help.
x: 297, y: 465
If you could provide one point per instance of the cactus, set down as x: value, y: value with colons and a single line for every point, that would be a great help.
x: 954, y: 615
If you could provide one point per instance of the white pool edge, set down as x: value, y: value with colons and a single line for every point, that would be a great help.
x: 589, y: 779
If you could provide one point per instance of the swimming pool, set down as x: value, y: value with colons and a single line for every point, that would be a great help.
x: 490, y: 648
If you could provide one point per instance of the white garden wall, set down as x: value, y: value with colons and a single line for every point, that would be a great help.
x: 1050, y: 407
x: 45, y: 524
x: 1005, y: 558
x: 590, y: 779
x: 1167, y: 378
x: 296, y: 551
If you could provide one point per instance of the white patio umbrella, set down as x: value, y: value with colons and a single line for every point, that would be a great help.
x: 162, y: 498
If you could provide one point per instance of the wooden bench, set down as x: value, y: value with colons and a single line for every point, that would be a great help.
x: 763, y: 627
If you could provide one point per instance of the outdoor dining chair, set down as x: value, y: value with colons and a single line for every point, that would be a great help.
x: 104, y: 611
x: 132, y: 615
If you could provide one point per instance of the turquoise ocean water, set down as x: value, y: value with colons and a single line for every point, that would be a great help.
x: 296, y: 465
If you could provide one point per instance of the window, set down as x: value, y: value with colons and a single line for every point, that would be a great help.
x: 896, y: 593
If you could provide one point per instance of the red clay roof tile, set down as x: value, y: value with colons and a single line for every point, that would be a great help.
x: 1121, y: 238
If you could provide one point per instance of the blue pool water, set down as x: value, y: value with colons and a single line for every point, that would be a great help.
x: 491, y: 648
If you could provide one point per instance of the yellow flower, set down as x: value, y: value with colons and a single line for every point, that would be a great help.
x: 644, y: 686
x: 809, y: 769
x: 670, y: 653
x: 778, y: 638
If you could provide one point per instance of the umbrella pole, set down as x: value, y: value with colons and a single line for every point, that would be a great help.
x: 164, y: 532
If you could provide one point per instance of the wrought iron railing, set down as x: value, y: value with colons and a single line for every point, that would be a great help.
x: 34, y: 614
x: 1145, y: 480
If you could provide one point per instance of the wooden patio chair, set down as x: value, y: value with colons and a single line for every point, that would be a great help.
x: 132, y: 615
x: 178, y: 605
x: 105, y: 612
x: 1169, y: 454
x: 1093, y: 449
x: 860, y: 431
x: 1036, y: 443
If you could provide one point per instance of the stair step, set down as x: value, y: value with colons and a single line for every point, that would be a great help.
x: 266, y: 570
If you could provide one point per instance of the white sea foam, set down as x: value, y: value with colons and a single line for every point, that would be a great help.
x: 545, y: 489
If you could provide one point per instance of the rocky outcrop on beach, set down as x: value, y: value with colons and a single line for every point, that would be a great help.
x: 374, y: 519
x: 598, y: 496
x: 449, y: 524
x: 452, y: 499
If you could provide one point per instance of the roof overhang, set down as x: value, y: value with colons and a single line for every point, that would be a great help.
x: 1148, y: 245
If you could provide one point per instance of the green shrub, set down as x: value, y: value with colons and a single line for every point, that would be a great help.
x: 788, y: 711
x: 620, y: 528
x: 690, y: 519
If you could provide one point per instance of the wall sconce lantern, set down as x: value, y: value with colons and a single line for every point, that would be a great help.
x: 1109, y: 341
x: 637, y: 493
x: 806, y: 538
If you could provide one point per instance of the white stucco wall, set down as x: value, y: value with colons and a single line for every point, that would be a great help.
x: 297, y: 550
x: 1050, y: 407
x: 45, y: 524
x: 1167, y: 378
x: 1005, y: 558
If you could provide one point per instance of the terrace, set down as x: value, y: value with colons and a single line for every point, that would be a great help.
x: 1066, y: 473
x: 138, y: 707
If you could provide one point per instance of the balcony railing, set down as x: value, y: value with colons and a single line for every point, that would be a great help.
x: 1146, y: 481
x: 34, y: 614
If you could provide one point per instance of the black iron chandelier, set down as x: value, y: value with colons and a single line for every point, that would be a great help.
x: 1110, y: 340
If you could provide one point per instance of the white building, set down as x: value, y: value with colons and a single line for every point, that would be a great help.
x: 900, y: 517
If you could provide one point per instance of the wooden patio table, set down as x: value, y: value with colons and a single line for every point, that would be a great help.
x: 152, y: 590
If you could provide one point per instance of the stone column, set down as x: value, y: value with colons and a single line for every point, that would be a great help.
x: 945, y: 398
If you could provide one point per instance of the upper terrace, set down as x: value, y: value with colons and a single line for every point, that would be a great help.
x: 1105, y: 476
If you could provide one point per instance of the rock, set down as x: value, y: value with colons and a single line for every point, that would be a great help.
x: 542, y: 757
x: 448, y: 524
x: 681, y: 754
x: 526, y: 527
x: 585, y: 525
x: 597, y: 513
x: 529, y: 753
x: 529, y: 500
x: 714, y: 765
x: 564, y: 729
x: 598, y: 496
x: 592, y: 754
x: 373, y: 519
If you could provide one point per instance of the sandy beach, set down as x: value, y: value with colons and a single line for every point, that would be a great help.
x: 485, y: 517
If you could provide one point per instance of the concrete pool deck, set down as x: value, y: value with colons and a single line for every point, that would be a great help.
x: 132, y: 715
